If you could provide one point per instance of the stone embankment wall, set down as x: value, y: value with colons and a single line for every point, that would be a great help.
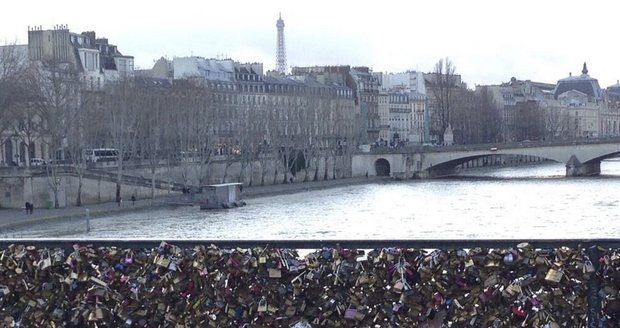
x: 189, y: 172
x: 32, y: 185
x: 15, y: 191
x: 207, y: 286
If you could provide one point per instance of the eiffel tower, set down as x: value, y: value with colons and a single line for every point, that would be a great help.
x: 281, y: 51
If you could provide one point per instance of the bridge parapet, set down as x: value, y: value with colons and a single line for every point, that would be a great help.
x: 428, y: 162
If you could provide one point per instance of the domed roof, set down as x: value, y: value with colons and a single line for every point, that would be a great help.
x: 583, y: 83
x: 614, y: 88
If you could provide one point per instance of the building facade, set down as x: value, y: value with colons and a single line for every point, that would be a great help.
x: 394, y: 88
x: 509, y: 97
x: 574, y: 107
x: 610, y: 117
x: 581, y: 100
x: 254, y: 108
x: 96, y: 60
x: 92, y: 61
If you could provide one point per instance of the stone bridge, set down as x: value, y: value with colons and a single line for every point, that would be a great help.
x: 581, y: 158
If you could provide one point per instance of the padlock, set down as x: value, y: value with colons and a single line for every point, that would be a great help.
x: 262, y: 305
x: 554, y: 275
x: 275, y: 273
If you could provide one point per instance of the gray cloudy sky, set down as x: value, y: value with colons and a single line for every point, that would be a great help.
x: 488, y: 41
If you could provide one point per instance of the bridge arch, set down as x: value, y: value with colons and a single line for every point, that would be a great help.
x: 382, y: 167
x: 454, y: 162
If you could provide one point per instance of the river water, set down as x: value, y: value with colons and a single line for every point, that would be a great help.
x: 527, y: 202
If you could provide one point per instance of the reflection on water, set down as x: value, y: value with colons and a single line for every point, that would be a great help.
x: 511, y: 202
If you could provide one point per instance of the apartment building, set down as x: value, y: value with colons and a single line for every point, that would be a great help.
x: 96, y: 60
x: 396, y: 87
x: 274, y: 109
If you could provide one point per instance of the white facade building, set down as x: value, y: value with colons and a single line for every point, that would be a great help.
x: 410, y: 81
x: 418, y: 107
x: 384, y: 116
x: 209, y: 69
x: 402, y: 105
x: 582, y: 99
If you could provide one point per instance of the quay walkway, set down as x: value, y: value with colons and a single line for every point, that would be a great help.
x: 10, y: 218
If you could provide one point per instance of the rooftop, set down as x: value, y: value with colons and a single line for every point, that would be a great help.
x: 582, y: 83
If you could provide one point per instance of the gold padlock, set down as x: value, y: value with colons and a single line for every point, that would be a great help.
x: 554, y: 275
x: 92, y: 316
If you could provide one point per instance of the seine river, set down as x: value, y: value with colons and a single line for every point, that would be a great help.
x: 512, y: 202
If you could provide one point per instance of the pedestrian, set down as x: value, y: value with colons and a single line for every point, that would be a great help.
x: 31, y: 207
x: 133, y: 200
x: 27, y: 206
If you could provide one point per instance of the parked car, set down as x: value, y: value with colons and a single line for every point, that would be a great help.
x: 37, y: 162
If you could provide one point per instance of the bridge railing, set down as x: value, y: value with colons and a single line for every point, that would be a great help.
x: 302, y: 283
x: 487, y: 146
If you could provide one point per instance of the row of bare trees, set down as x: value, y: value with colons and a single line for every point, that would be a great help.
x: 473, y: 116
x: 190, y: 126
x: 476, y: 118
x: 15, y: 95
x: 38, y: 102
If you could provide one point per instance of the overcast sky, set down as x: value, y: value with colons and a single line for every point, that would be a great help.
x: 488, y: 41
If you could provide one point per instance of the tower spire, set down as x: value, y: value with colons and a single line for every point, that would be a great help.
x: 584, y: 71
x: 281, y: 49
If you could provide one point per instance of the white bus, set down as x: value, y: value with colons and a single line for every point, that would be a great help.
x: 99, y: 155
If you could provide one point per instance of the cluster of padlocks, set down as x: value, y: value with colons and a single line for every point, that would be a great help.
x: 207, y: 286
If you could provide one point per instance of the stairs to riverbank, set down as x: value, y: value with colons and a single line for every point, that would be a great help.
x: 135, y: 180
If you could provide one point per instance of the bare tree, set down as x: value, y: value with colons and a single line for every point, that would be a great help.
x: 476, y: 119
x: 122, y: 105
x: 266, y: 149
x: 152, y: 132
x: 172, y: 115
x: 557, y: 123
x: 27, y: 126
x: 530, y: 121
x: 251, y: 133
x: 491, y: 121
x: 203, y: 106
x: 15, y: 92
x: 310, y: 133
x: 57, y: 84
x: 192, y: 112
x: 85, y: 131
x: 181, y: 135
x: 293, y: 140
x: 443, y: 85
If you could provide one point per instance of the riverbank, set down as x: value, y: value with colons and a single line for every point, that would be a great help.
x: 12, y: 218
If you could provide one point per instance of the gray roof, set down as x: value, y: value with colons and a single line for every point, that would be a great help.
x: 281, y: 80
x: 614, y: 88
x: 582, y: 83
x: 151, y: 82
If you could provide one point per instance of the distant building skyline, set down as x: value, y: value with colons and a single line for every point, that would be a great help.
x: 489, y: 43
